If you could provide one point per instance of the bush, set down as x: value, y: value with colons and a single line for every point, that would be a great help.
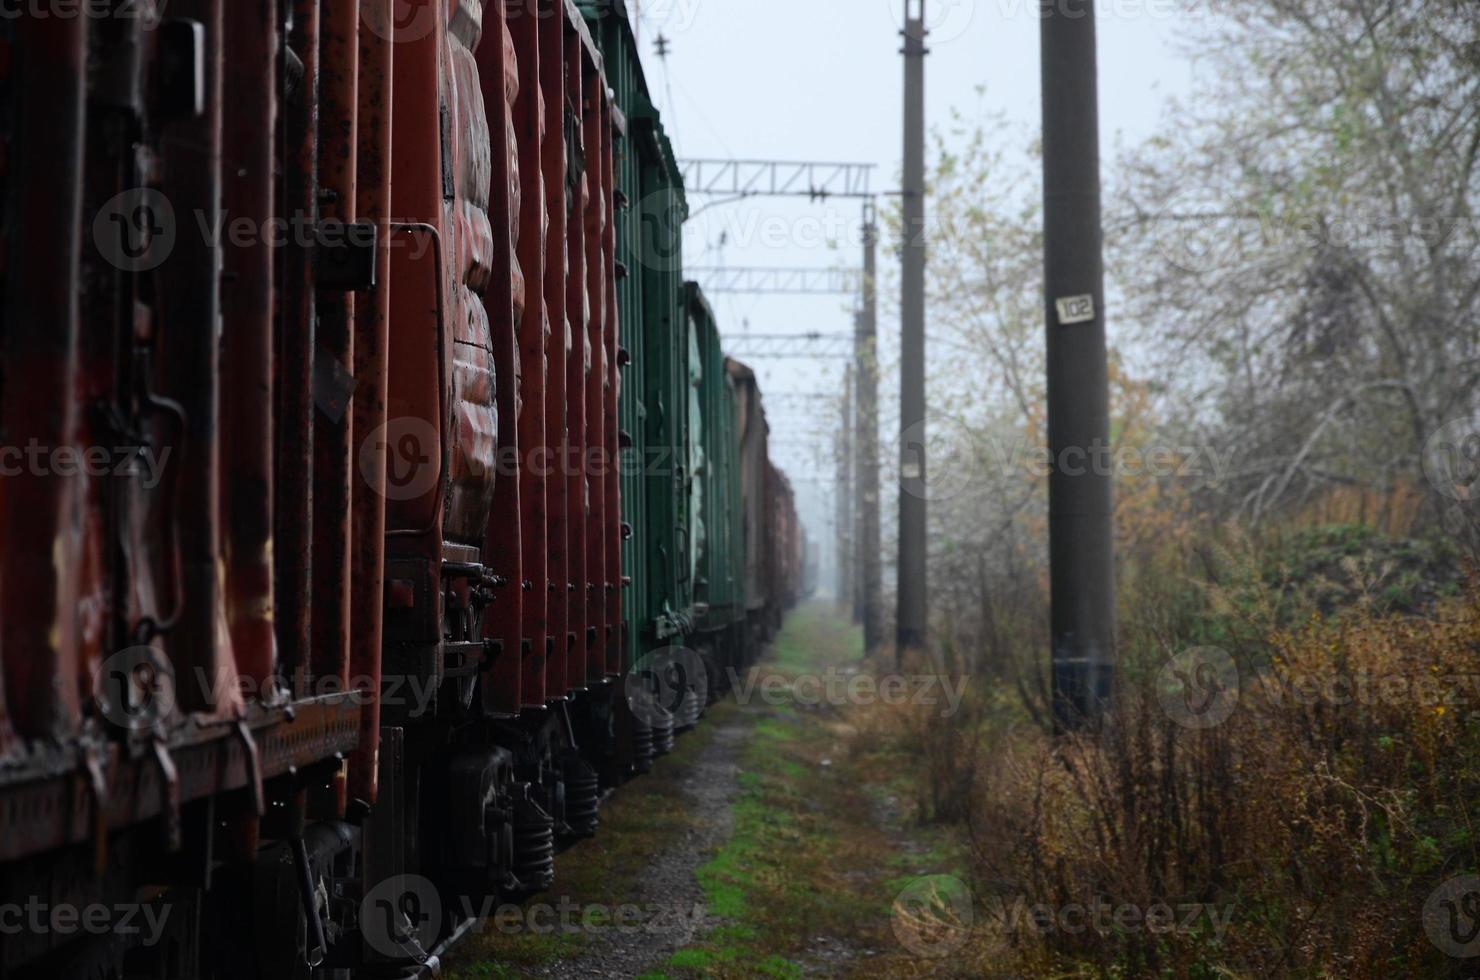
x: 1309, y: 827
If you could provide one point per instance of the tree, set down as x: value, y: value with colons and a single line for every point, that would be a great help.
x: 1300, y: 252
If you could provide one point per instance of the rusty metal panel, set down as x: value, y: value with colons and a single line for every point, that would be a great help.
x: 295, y: 344
x: 38, y: 626
x: 754, y: 450
x: 506, y: 296
x: 417, y: 402
x: 484, y: 195
x: 416, y: 436
x: 199, y: 645
x: 213, y: 757
x: 371, y: 342
x: 593, y: 97
x: 534, y: 333
x: 553, y: 26
x: 334, y: 382
x: 578, y: 313
x: 249, y: 141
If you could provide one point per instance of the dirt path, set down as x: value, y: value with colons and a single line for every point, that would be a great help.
x: 708, y: 788
x: 772, y: 843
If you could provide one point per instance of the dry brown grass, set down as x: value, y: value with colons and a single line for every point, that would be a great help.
x: 1317, y: 818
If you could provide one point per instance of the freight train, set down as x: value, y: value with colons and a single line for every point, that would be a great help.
x: 367, y: 458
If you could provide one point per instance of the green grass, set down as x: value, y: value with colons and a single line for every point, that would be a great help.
x: 797, y: 863
x: 637, y: 823
x: 807, y: 856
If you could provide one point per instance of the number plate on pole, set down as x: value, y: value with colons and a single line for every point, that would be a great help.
x: 1076, y: 309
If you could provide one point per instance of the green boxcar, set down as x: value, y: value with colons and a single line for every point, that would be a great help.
x: 657, y: 480
x: 719, y: 597
x: 680, y: 408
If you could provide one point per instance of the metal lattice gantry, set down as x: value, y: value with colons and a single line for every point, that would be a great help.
x: 790, y: 345
x: 777, y: 178
x: 779, y: 280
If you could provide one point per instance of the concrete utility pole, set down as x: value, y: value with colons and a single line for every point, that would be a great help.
x: 912, y: 595
x: 871, y: 577
x: 845, y: 495
x: 1081, y: 540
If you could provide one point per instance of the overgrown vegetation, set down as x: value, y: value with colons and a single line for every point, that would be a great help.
x: 1294, y: 293
x: 1314, y: 821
